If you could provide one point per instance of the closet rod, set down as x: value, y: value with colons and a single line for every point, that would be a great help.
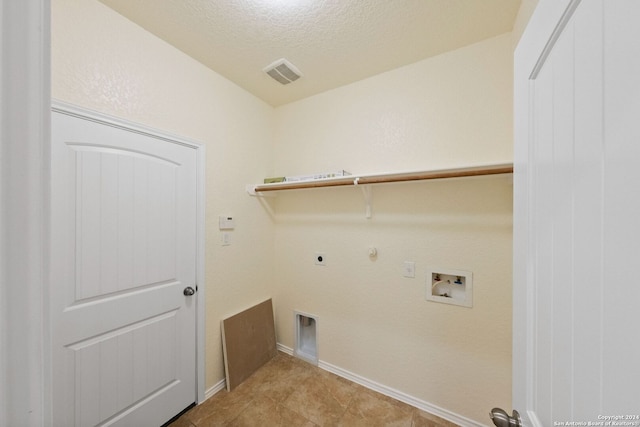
x: 502, y: 168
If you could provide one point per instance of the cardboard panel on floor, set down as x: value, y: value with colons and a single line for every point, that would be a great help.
x: 248, y: 342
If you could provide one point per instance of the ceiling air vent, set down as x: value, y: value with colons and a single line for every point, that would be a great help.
x: 283, y: 71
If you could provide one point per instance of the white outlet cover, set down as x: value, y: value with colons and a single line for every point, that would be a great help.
x: 409, y: 269
x: 320, y: 259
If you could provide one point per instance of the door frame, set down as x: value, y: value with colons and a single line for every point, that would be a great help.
x: 117, y: 122
x: 25, y: 102
x: 25, y: 74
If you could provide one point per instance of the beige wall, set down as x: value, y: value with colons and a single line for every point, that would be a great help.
x: 451, y: 110
x: 522, y: 19
x: 104, y: 62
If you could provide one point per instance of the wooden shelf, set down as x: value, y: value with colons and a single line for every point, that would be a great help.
x: 494, y: 169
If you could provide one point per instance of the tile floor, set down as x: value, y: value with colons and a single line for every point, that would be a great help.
x: 290, y: 392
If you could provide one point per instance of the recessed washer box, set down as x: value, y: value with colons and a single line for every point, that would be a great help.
x: 450, y: 286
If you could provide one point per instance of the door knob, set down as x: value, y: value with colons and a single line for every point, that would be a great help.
x: 501, y: 419
x: 188, y: 291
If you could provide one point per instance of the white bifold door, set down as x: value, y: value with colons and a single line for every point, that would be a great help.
x: 123, y: 245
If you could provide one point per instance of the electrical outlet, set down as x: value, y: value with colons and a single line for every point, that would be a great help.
x: 409, y: 269
x: 321, y: 259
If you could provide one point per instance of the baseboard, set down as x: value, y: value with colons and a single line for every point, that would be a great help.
x: 284, y: 349
x: 219, y: 386
x: 388, y: 391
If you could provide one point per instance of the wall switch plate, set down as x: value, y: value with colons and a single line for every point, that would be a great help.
x: 321, y: 259
x: 409, y: 269
x: 226, y: 222
x: 225, y: 239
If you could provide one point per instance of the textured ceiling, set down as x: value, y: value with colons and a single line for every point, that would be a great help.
x: 332, y: 42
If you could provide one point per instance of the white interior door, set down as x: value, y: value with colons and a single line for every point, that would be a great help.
x: 123, y: 245
x: 577, y: 205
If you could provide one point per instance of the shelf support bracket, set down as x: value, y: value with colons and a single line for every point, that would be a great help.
x: 251, y: 190
x: 366, y: 193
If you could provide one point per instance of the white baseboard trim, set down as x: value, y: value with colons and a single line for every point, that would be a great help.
x: 219, y: 386
x: 388, y: 391
x: 284, y: 349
